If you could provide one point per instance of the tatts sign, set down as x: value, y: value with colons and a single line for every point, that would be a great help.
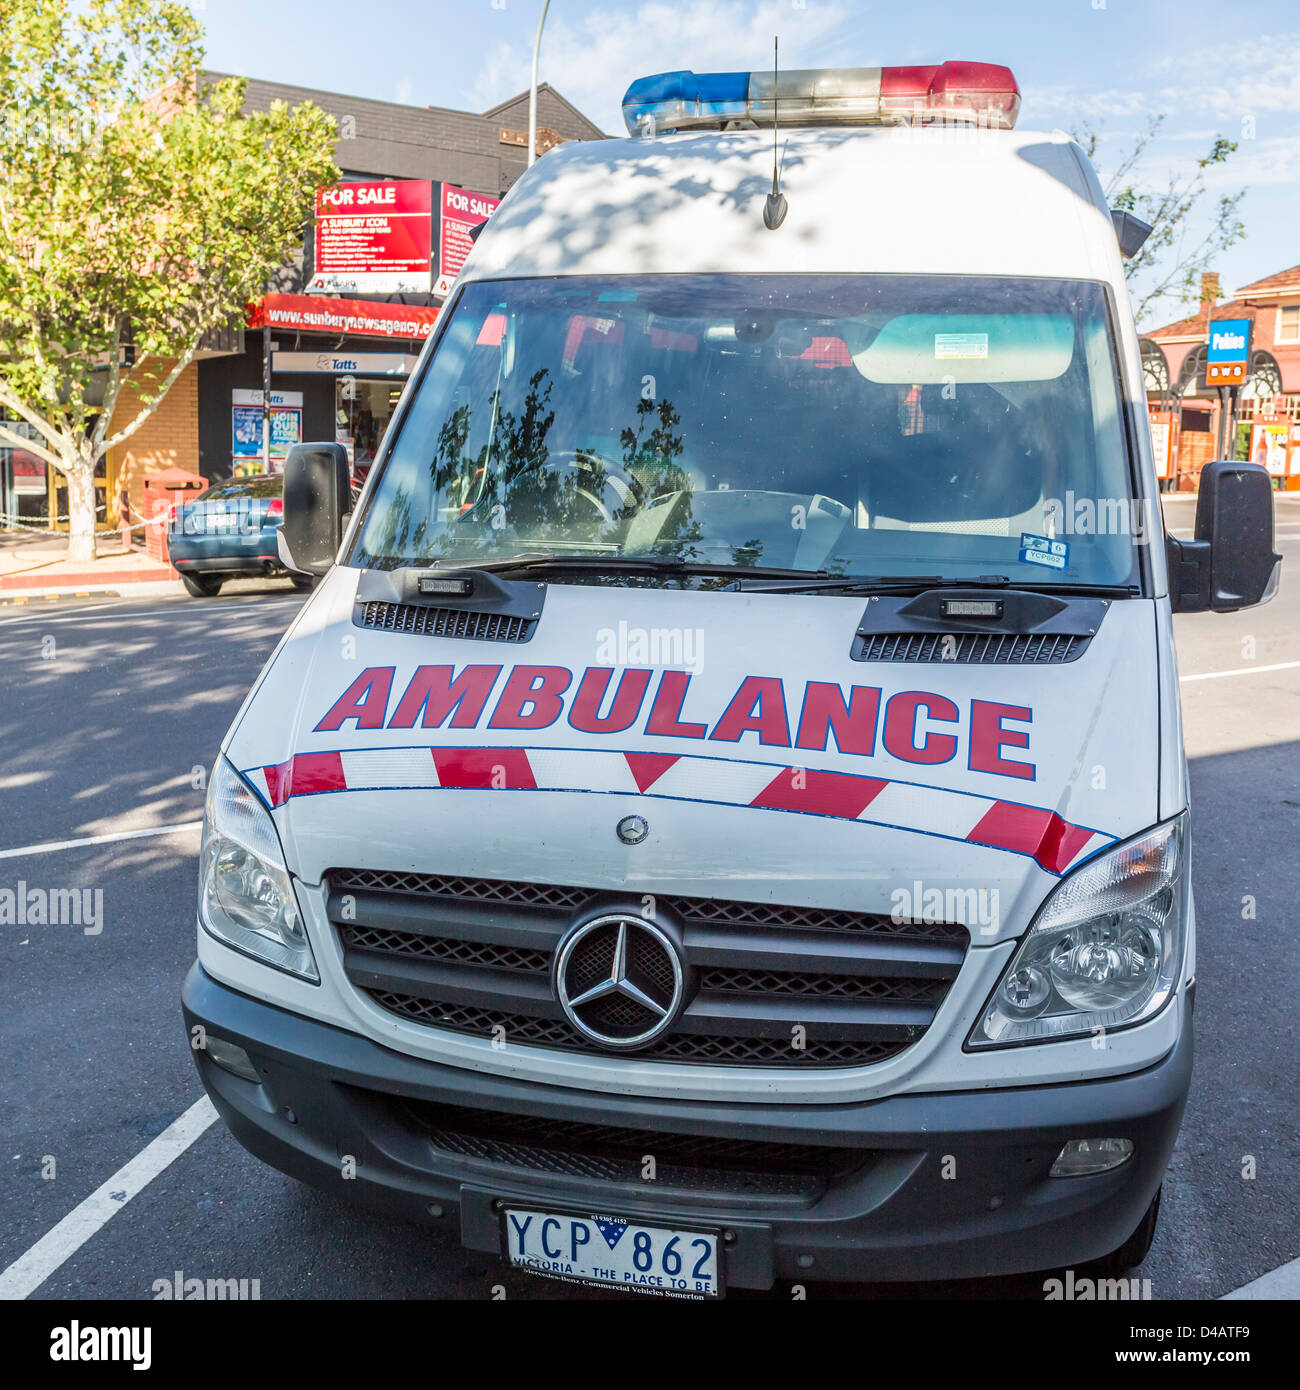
x: 374, y: 238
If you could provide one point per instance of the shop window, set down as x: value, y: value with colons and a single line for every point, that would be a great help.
x: 362, y: 412
x: 1195, y: 421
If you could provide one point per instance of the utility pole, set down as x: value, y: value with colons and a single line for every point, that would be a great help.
x: 532, y: 89
x: 266, y: 398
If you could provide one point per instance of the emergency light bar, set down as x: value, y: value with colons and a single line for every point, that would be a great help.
x: 983, y: 94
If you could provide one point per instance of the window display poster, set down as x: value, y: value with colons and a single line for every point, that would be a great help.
x: 1268, y: 447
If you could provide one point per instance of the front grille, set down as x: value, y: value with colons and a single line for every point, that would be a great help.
x: 702, y: 911
x: 672, y: 1047
x: 609, y: 1153
x: 767, y: 984
x: 422, y: 621
x: 970, y: 648
x: 827, y: 986
x: 405, y: 943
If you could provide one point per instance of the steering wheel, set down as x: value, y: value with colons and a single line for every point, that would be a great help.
x: 599, y: 482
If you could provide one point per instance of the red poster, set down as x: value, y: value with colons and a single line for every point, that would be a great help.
x: 462, y: 211
x: 374, y: 238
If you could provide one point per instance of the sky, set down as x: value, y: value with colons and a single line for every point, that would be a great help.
x: 1207, y: 67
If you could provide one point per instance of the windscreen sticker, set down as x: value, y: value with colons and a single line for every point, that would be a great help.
x: 1041, y: 550
x: 967, y: 345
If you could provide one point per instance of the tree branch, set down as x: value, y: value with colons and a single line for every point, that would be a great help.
x: 13, y: 402
x: 18, y: 441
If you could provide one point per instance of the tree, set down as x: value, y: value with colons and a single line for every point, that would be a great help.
x: 140, y: 208
x: 1171, y: 260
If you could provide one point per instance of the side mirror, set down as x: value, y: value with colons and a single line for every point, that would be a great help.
x: 1231, y: 564
x: 317, y: 499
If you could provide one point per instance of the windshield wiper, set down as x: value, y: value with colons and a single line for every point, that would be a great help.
x: 923, y: 583
x: 880, y: 583
x: 669, y: 566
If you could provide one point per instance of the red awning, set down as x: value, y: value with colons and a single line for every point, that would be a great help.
x: 319, y: 313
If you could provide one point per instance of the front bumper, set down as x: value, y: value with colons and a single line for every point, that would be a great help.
x: 922, y: 1187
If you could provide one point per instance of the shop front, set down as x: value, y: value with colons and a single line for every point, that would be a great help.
x: 366, y: 389
x: 336, y: 369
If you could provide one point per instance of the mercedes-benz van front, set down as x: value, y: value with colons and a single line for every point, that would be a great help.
x: 722, y: 816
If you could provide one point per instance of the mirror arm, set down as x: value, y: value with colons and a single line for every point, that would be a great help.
x: 1188, y: 563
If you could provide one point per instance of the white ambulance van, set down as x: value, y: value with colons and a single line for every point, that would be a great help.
x: 722, y: 815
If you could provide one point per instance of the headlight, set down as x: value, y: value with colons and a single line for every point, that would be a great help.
x: 1104, y: 951
x: 245, y: 897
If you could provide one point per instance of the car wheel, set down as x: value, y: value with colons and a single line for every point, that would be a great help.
x: 1135, y: 1248
x: 202, y: 585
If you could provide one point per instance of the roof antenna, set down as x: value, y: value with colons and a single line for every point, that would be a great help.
x: 774, y: 210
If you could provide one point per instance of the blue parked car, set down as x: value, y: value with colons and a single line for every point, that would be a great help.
x: 229, y: 532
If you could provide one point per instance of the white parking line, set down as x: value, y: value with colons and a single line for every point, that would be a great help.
x: 31, y: 1269
x: 92, y: 612
x: 1282, y: 1282
x: 1241, y: 671
x: 53, y: 846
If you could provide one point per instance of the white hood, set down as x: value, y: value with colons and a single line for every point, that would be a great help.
x: 767, y: 764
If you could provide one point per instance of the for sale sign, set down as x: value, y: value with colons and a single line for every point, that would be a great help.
x: 374, y: 238
x: 462, y: 211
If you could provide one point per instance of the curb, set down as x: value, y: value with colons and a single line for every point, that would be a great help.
x: 15, y: 583
x: 12, y: 600
x: 15, y: 598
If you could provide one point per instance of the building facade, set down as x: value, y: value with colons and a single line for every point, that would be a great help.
x: 1265, y: 415
x: 337, y: 358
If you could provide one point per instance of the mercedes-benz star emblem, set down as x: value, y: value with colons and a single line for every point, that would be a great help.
x: 619, y: 980
x: 632, y: 829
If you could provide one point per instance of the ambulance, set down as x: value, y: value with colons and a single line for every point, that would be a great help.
x: 721, y: 817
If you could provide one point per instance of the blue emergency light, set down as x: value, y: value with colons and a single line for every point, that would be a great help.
x: 982, y: 94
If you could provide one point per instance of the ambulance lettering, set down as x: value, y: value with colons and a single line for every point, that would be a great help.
x: 920, y: 727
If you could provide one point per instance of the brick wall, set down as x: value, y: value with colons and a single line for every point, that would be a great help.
x: 169, y: 438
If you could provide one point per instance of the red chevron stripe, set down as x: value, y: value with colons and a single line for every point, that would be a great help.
x: 819, y: 793
x: 506, y: 768
x: 316, y: 772
x: 1030, y: 830
x: 648, y: 768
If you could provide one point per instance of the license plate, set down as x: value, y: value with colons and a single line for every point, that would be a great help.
x: 614, y: 1252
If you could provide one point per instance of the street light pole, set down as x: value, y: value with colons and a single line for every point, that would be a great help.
x: 532, y: 90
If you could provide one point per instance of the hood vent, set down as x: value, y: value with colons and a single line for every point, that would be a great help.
x: 971, y: 648
x: 422, y: 620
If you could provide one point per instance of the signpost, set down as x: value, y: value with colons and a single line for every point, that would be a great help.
x: 1227, y: 364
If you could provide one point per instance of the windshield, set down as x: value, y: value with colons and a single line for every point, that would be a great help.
x: 853, y: 425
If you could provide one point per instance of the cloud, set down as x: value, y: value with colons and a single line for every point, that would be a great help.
x: 1225, y: 83
x: 591, y: 60
x: 1076, y: 106
x: 1235, y: 80
x: 1258, y: 163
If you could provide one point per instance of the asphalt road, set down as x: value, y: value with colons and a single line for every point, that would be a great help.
x: 108, y: 709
